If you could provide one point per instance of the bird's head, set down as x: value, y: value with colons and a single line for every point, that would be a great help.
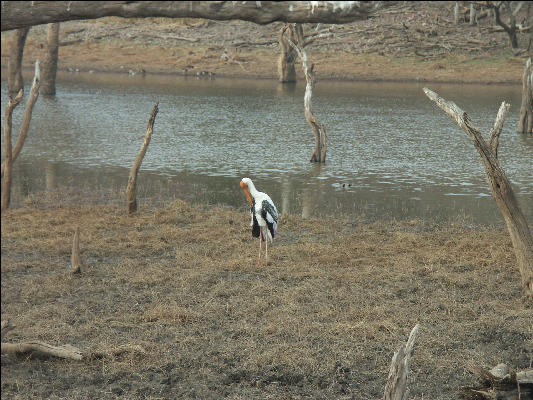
x: 245, y: 183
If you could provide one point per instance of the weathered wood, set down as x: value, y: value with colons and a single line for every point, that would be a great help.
x: 25, y: 126
x: 456, y: 13
x: 75, y: 260
x: 131, y: 195
x: 525, y: 123
x: 499, y: 185
x: 50, y: 61
x: 8, y: 122
x: 501, y: 383
x: 319, y: 153
x: 18, y: 14
x: 14, y: 65
x: 396, y: 387
x: 287, y: 55
x: 41, y: 349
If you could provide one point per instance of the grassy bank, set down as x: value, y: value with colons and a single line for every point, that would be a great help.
x: 174, y: 297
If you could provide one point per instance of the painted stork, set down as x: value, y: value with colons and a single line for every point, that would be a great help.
x: 264, y: 215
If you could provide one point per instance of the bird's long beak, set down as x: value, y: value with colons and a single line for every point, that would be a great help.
x: 247, y: 192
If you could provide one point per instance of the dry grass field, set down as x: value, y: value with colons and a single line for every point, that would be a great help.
x: 174, y: 299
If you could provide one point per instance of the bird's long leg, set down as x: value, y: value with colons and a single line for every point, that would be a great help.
x: 266, y: 251
x: 260, y: 240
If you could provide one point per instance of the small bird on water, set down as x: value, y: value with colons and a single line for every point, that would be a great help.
x: 264, y: 215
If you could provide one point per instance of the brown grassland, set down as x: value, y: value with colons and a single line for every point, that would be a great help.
x: 174, y: 298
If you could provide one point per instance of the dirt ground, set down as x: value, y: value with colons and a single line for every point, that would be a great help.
x: 414, y: 41
x: 174, y: 300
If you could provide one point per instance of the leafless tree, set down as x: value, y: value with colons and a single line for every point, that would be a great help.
x: 286, y: 70
x: 319, y: 153
x: 10, y: 153
x: 511, y: 29
x: 131, y: 190
x: 499, y: 185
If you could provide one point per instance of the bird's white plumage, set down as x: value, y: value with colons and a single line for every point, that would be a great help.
x: 271, y: 213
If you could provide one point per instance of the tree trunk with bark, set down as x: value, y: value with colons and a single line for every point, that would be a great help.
x: 473, y: 14
x: 25, y: 126
x: 49, y: 64
x: 525, y: 123
x: 6, y: 185
x: 456, y: 13
x: 14, y: 65
x: 499, y: 185
x: 131, y: 190
x: 319, y: 153
x: 18, y: 14
x: 286, y: 71
x: 10, y: 153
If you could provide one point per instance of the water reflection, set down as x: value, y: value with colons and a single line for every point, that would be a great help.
x: 391, y: 152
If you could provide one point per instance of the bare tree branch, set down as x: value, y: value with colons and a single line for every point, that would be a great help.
x: 500, y: 188
x: 18, y: 14
x: 494, y: 135
x: 131, y: 195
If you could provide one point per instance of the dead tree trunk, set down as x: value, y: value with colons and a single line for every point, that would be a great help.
x: 75, y: 260
x: 6, y: 185
x: 131, y: 195
x: 319, y: 153
x: 396, y: 387
x: 499, y: 185
x: 456, y: 13
x: 14, y: 65
x: 286, y: 71
x: 473, y: 19
x: 25, y: 126
x: 18, y: 14
x: 525, y: 123
x: 50, y: 61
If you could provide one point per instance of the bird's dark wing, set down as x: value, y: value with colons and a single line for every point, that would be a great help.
x: 270, y: 215
x: 255, y: 224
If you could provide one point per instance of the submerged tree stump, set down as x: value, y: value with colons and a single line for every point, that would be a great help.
x: 319, y: 153
x: 14, y: 65
x: 525, y: 123
x: 286, y: 70
x: 131, y: 195
x: 49, y: 66
x: 499, y: 185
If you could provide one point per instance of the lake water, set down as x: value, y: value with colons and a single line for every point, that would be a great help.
x: 391, y: 152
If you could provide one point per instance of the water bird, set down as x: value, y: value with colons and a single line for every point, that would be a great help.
x: 264, y: 215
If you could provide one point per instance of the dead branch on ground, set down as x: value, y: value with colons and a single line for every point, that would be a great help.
x: 131, y: 195
x: 499, y: 185
x: 39, y: 349
x: 501, y: 382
